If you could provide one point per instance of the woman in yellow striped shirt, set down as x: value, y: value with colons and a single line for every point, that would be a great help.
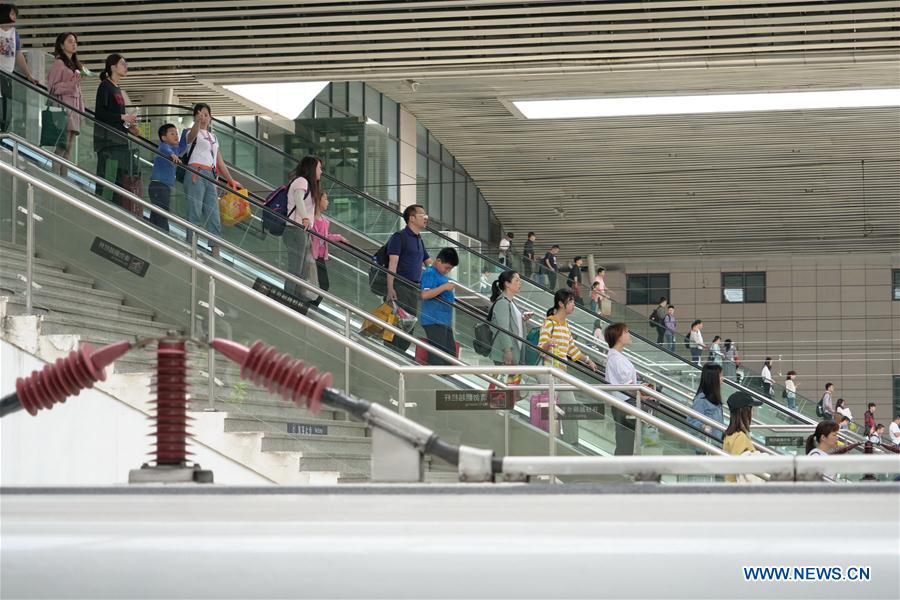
x: 556, y: 337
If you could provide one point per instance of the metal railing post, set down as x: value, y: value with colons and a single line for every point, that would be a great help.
x: 29, y: 251
x: 401, y: 393
x: 551, y: 414
x: 347, y: 351
x: 193, y: 286
x: 638, y: 434
x: 15, y: 190
x: 211, y: 334
x: 506, y: 432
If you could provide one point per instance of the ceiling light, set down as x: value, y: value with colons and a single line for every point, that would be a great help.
x: 285, y: 99
x: 709, y: 103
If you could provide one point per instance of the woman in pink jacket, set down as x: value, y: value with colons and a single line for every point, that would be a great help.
x: 319, y: 246
x: 64, y: 82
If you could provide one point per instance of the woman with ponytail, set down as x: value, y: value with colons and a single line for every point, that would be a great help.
x: 507, y: 317
x: 110, y: 133
x: 823, y: 440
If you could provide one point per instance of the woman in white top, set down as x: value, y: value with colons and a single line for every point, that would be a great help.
x: 301, y: 206
x: 621, y: 371
x: 716, y: 356
x: 790, y: 390
x: 766, y: 375
x: 696, y: 344
x: 844, y: 410
x: 202, y: 197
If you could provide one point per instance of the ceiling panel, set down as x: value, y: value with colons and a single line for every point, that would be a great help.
x: 621, y: 188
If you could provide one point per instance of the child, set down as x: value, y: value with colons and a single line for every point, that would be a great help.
x: 162, y: 177
x: 321, y: 223
x: 595, y: 296
x: 437, y: 304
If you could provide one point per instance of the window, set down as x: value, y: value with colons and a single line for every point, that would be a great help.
x: 896, y: 395
x: 646, y: 289
x: 739, y: 288
x: 895, y: 277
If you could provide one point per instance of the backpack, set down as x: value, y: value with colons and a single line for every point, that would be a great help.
x: 687, y: 341
x: 274, y: 219
x: 820, y: 407
x: 531, y: 355
x: 654, y: 317
x: 484, y: 335
x: 184, y: 158
x: 377, y: 277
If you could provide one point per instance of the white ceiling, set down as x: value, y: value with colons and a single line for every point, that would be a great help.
x: 629, y: 187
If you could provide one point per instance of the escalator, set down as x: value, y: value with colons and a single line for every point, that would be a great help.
x: 372, y: 221
x: 254, y: 258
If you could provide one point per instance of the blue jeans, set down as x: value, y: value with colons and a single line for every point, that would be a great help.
x: 203, y: 204
x: 792, y: 401
x: 670, y: 340
x: 695, y: 355
x: 594, y: 306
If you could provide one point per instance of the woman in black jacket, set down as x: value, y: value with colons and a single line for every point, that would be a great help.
x: 114, y: 160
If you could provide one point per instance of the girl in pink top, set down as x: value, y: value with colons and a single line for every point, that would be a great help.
x: 319, y: 247
x: 64, y: 83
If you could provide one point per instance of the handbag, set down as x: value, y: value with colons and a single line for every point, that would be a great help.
x: 385, y: 313
x: 135, y: 185
x: 233, y: 208
x: 53, y: 126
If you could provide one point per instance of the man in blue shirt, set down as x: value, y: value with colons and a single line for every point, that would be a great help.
x: 162, y: 177
x: 406, y: 256
x: 437, y: 304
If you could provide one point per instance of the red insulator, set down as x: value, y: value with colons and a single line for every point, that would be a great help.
x: 278, y: 373
x: 171, y: 402
x: 67, y: 376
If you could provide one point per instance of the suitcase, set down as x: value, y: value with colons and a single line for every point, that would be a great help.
x: 538, y: 414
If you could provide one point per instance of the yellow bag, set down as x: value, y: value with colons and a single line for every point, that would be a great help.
x: 232, y: 208
x: 385, y: 312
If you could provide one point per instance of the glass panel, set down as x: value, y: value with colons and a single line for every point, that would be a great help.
x: 390, y: 115
x: 373, y: 104
x: 339, y: 96
x: 356, y: 93
x: 434, y: 189
x: 446, y: 196
x: 323, y: 111
x: 732, y: 287
x: 471, y: 209
x: 421, y: 138
x: 434, y: 147
x: 422, y: 180
x: 373, y: 221
x: 393, y: 171
x: 459, y: 204
x: 637, y: 289
x: 756, y: 286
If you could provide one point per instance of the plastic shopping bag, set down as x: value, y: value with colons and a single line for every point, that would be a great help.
x: 385, y: 314
x: 232, y: 208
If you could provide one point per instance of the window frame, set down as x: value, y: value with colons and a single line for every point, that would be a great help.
x: 895, y: 284
x: 651, y: 296
x: 748, y: 297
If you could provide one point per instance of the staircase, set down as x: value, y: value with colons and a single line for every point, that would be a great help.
x: 325, y: 447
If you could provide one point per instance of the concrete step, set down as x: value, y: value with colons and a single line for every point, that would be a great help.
x: 15, y: 251
x: 271, y: 408
x: 73, y: 290
x: 334, y: 428
x: 66, y: 306
x: 354, y: 478
x: 12, y: 266
x: 56, y: 323
x: 142, y: 327
x: 350, y: 465
x: 285, y: 442
x: 81, y: 297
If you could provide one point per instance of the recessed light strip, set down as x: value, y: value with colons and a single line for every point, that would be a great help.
x: 710, y: 103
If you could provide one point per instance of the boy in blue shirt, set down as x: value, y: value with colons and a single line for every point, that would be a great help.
x: 162, y: 177
x: 437, y: 304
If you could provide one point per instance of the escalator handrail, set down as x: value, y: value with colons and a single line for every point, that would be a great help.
x: 305, y: 321
x: 778, y: 407
x: 769, y: 401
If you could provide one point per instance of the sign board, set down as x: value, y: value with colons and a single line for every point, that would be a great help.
x: 307, y: 429
x: 594, y: 411
x: 794, y: 441
x: 120, y: 256
x: 474, y: 399
x: 279, y: 295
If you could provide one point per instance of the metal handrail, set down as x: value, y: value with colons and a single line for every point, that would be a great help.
x: 768, y: 401
x: 650, y: 467
x: 236, y: 250
x: 304, y: 320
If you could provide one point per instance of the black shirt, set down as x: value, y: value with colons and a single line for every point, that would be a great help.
x: 108, y: 109
x: 550, y: 259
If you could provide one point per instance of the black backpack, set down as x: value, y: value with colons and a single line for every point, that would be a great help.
x: 484, y: 335
x: 687, y: 341
x: 377, y: 277
x: 654, y: 317
x: 820, y: 407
